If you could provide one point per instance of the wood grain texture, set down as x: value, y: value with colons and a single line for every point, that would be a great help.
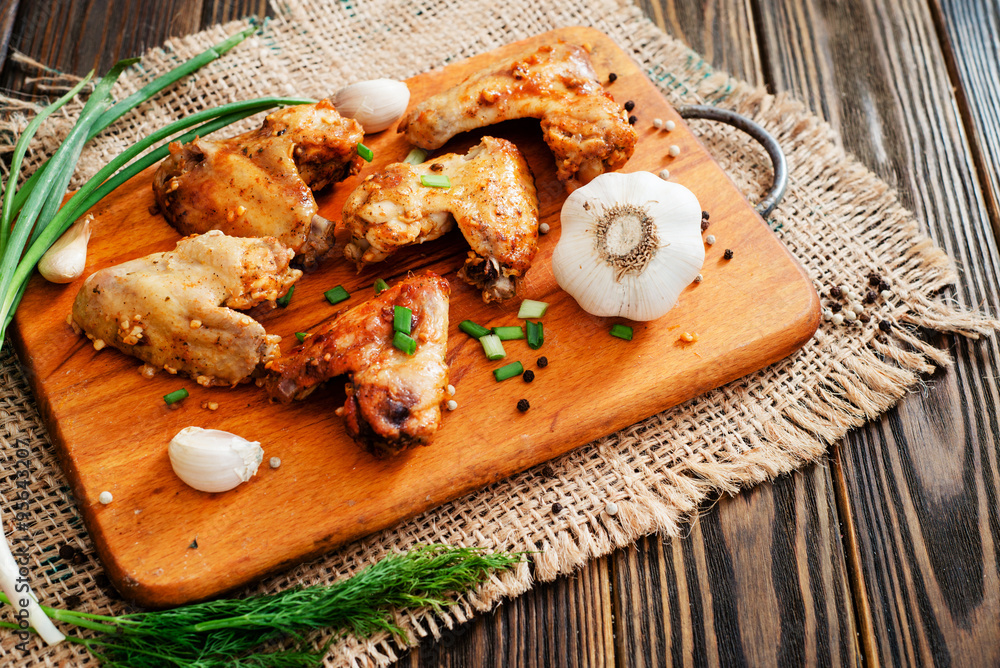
x: 921, y: 483
x: 562, y: 623
x: 758, y: 581
x: 968, y: 32
x: 143, y: 537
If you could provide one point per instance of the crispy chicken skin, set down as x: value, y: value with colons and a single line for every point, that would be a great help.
x: 589, y: 133
x: 492, y: 197
x: 393, y: 399
x: 261, y: 183
x: 175, y: 310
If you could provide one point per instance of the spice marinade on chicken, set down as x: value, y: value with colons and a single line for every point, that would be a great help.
x: 491, y: 196
x: 175, y: 310
x: 393, y: 399
x: 261, y: 183
x: 587, y: 131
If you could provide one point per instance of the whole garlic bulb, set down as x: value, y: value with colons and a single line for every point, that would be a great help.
x: 376, y: 104
x: 66, y: 259
x: 212, y: 460
x: 630, y: 244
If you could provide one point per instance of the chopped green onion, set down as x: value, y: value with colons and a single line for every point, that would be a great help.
x: 435, y: 181
x: 175, y: 396
x: 532, y: 309
x: 283, y: 300
x: 536, y: 336
x: 508, y: 371
x: 509, y: 333
x: 405, y: 343
x: 402, y: 319
x: 493, y: 347
x: 380, y: 286
x: 365, y: 152
x: 336, y: 295
x: 472, y: 329
x: 301, y: 336
x: 416, y: 156
x: 622, y: 332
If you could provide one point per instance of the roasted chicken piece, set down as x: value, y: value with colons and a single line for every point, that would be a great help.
x: 492, y: 197
x: 175, y: 310
x: 393, y: 399
x: 589, y: 133
x: 261, y: 183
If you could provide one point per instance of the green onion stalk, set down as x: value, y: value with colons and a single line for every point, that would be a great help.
x: 31, y: 219
x: 233, y: 632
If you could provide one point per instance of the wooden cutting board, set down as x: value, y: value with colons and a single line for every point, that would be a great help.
x: 111, y: 426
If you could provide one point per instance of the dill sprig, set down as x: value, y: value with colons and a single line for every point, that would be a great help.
x: 228, y: 632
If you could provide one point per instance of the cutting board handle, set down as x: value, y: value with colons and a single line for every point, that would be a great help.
x: 763, y: 137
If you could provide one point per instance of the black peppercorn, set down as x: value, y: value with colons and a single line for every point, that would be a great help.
x: 885, y: 326
x: 67, y: 552
x: 704, y: 225
x: 437, y: 167
x: 548, y: 471
x: 728, y: 254
x: 523, y: 405
x: 630, y: 105
x: 632, y: 120
x: 874, y: 279
x: 835, y: 307
x: 864, y: 317
x: 704, y: 215
x: 870, y: 297
x: 835, y: 292
x: 543, y: 362
x: 612, y: 77
x: 883, y: 286
x: 556, y: 508
x: 528, y: 376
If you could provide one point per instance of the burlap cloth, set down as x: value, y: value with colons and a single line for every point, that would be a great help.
x: 837, y: 218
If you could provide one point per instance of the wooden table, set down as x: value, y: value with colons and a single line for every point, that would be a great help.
x: 888, y: 551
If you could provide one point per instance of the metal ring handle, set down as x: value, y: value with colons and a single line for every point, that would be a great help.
x: 763, y: 137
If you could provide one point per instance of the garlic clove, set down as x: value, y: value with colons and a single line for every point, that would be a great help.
x: 630, y: 244
x: 66, y: 259
x: 376, y: 104
x: 211, y: 460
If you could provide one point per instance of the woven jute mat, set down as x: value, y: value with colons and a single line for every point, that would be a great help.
x: 837, y: 218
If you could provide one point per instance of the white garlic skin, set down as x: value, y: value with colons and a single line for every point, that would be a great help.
x: 376, y: 104
x: 66, y: 259
x: 581, y: 272
x: 211, y: 460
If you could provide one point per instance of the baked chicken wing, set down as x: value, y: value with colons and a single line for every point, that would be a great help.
x: 261, y: 183
x: 588, y: 133
x: 491, y: 196
x: 175, y: 310
x: 393, y: 399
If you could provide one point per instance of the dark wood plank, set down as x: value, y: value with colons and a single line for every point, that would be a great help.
x: 969, y: 31
x: 76, y: 35
x: 760, y: 580
x: 921, y: 484
x: 562, y: 623
x: 8, y: 14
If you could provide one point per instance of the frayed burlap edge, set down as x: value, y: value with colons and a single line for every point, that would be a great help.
x: 838, y: 218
